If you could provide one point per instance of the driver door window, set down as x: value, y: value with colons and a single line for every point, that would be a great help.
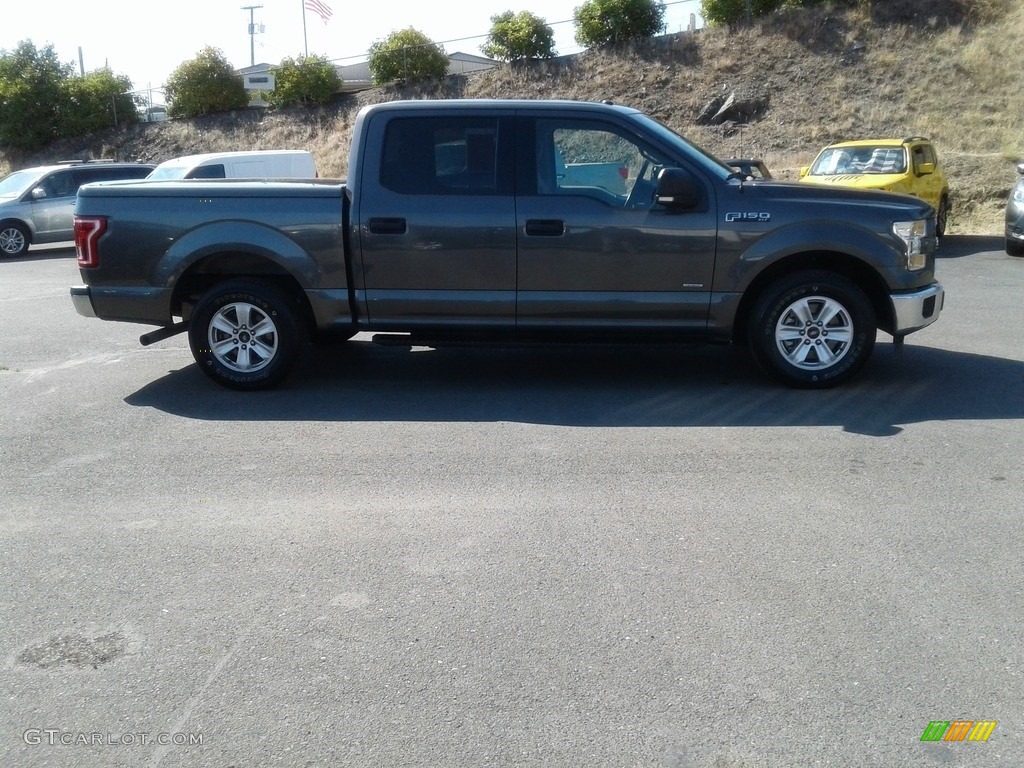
x: 579, y: 159
x: 59, y: 185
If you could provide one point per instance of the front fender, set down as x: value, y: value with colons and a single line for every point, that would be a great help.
x: 756, y: 254
x: 23, y: 221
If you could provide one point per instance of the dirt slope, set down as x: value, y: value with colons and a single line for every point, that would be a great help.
x: 939, y: 68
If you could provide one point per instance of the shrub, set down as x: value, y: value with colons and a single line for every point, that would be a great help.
x: 99, y: 100
x: 31, y: 84
x: 614, y: 21
x: 41, y: 99
x: 523, y: 36
x: 308, y: 80
x: 407, y: 55
x: 203, y: 85
x: 735, y: 11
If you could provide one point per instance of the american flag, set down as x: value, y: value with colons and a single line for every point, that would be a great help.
x: 321, y: 9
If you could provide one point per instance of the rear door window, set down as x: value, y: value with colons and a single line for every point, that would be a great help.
x: 100, y: 173
x: 444, y: 156
x: 215, y: 171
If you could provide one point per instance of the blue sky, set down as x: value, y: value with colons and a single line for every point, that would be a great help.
x: 146, y: 41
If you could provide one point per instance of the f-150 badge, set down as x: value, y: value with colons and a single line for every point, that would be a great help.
x: 748, y: 216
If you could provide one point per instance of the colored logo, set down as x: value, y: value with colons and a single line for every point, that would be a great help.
x: 958, y: 730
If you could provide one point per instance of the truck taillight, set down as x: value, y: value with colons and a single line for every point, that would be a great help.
x: 88, y: 230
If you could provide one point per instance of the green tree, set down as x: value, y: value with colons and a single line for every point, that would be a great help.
x: 614, y: 21
x: 99, y: 100
x: 519, y: 36
x: 805, y: 3
x: 307, y: 80
x: 203, y: 85
x: 735, y: 11
x: 407, y: 55
x: 31, y: 93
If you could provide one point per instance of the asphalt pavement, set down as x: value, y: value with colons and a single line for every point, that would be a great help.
x: 614, y: 557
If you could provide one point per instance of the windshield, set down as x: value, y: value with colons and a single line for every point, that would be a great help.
x: 860, y: 160
x: 17, y: 182
x: 169, y: 172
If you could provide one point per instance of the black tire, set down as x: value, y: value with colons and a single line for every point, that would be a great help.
x: 812, y: 330
x: 14, y: 239
x: 1014, y: 247
x: 244, y: 335
x: 942, y: 217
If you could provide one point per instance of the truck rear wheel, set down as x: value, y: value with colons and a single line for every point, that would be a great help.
x: 243, y: 335
x: 812, y: 330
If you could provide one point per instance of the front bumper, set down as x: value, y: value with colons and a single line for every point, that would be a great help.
x: 82, y: 299
x: 917, y: 310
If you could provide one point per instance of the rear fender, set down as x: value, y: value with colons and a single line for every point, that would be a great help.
x: 238, y: 237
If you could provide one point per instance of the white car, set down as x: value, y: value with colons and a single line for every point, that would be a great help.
x: 261, y: 164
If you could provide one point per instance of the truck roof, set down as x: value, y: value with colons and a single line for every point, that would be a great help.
x: 452, y: 105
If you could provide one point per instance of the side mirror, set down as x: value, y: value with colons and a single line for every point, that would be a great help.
x: 677, y: 189
x: 1020, y: 168
x: 38, y: 193
x: 804, y: 170
x: 925, y: 168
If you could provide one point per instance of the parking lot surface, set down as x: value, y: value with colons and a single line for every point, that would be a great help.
x: 510, y: 557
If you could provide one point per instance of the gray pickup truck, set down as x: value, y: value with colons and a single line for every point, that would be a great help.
x: 459, y: 222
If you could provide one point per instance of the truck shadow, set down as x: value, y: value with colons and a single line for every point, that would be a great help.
x: 959, y: 246
x: 47, y: 253
x: 603, y: 386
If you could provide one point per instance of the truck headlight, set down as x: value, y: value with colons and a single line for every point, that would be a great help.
x: 1018, y: 194
x: 912, y: 233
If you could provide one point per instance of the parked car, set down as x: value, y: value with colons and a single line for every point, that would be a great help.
x: 1015, y: 216
x: 260, y: 164
x: 910, y: 166
x: 37, y: 205
x: 155, y: 114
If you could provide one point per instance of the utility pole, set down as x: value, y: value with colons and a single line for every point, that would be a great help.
x: 252, y: 32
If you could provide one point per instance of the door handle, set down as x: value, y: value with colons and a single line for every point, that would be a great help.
x: 384, y: 226
x: 545, y: 227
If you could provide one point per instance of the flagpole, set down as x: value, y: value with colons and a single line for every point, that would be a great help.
x: 305, y: 41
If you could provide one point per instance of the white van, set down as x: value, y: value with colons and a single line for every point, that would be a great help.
x: 266, y: 164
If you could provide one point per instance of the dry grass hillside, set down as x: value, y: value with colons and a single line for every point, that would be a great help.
x: 947, y: 69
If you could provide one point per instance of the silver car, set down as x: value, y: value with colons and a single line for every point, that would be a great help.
x: 1015, y: 216
x: 37, y: 205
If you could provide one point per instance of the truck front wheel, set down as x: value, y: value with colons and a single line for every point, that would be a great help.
x: 243, y: 335
x: 812, y: 330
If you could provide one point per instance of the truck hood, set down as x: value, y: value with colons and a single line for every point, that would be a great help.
x: 857, y: 180
x: 902, y: 206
